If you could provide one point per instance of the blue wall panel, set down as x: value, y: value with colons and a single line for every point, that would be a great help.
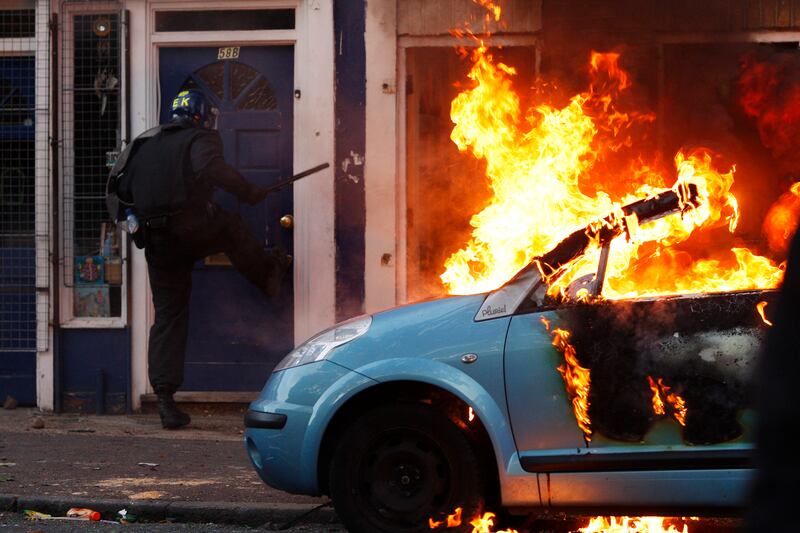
x: 350, y: 109
x: 95, y: 370
x: 18, y: 324
x: 18, y: 377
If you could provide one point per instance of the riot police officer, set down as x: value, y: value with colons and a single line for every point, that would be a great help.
x: 167, y: 178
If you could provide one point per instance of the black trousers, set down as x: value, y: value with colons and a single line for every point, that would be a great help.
x: 171, y: 253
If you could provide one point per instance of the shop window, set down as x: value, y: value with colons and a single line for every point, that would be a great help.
x: 25, y: 174
x: 17, y: 189
x: 94, y: 248
x: 16, y: 146
x: 224, y: 20
x: 17, y: 204
x: 17, y: 20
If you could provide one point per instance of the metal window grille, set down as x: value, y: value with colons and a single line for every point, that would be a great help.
x: 24, y: 177
x: 91, y: 95
x: 17, y: 23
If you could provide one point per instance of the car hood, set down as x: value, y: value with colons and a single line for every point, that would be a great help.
x: 437, y: 329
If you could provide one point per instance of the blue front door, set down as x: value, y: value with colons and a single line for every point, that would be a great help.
x: 236, y: 334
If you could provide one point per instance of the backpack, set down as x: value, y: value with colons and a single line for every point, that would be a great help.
x: 160, y: 183
x: 119, y: 208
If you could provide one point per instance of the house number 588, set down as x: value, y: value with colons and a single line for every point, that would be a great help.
x: 228, y: 52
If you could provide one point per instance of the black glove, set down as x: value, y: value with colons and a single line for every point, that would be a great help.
x: 256, y: 195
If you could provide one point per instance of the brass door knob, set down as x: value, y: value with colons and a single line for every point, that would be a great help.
x: 287, y: 221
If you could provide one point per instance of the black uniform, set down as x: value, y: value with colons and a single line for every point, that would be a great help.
x: 170, y: 177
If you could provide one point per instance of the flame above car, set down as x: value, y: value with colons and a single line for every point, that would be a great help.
x: 548, y: 169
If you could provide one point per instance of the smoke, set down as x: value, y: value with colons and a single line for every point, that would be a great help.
x: 769, y: 87
x: 768, y: 90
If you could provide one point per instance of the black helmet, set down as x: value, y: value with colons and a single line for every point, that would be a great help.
x: 190, y: 105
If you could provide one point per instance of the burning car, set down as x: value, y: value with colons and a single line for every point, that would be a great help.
x: 541, y: 394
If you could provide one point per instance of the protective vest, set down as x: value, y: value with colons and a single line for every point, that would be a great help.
x: 153, y: 174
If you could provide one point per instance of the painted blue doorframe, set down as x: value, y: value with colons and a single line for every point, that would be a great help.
x: 237, y: 335
x: 349, y: 22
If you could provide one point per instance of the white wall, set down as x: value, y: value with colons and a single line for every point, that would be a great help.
x: 380, y: 161
x: 45, y: 397
x: 141, y: 78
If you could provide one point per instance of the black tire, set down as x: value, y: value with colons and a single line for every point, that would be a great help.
x: 398, y: 465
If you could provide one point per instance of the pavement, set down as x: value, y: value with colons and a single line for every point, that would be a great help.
x: 49, y: 463
x: 196, y: 475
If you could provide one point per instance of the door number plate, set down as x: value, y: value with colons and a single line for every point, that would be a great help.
x: 228, y: 52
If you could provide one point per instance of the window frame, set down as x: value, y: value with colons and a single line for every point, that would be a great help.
x: 68, y: 320
x: 223, y: 9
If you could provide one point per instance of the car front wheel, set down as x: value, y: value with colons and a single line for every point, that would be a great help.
x: 398, y: 465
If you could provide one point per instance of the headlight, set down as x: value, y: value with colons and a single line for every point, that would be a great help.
x: 318, y: 347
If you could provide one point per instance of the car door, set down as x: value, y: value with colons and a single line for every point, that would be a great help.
x: 668, y: 409
x: 236, y: 334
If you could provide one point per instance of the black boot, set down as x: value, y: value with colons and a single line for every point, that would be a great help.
x: 280, y: 263
x: 171, y: 416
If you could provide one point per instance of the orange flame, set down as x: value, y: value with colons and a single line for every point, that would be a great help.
x: 677, y: 403
x: 625, y: 524
x: 480, y: 524
x: 658, y: 403
x: 538, y: 163
x: 761, y: 306
x: 610, y: 63
x: 493, y: 8
x: 781, y: 220
x: 599, y: 524
x: 452, y: 520
x: 576, y: 378
x: 484, y: 524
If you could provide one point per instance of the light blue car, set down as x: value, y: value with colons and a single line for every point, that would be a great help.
x: 407, y: 414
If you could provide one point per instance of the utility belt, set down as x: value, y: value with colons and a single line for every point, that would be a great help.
x: 164, y: 221
x: 152, y: 225
x: 160, y: 221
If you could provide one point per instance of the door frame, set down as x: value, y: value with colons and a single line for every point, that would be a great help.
x: 404, y: 42
x: 313, y: 141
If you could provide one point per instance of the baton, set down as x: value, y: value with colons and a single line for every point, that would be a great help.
x: 288, y: 181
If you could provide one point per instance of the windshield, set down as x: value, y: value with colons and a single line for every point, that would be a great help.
x: 575, y: 268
